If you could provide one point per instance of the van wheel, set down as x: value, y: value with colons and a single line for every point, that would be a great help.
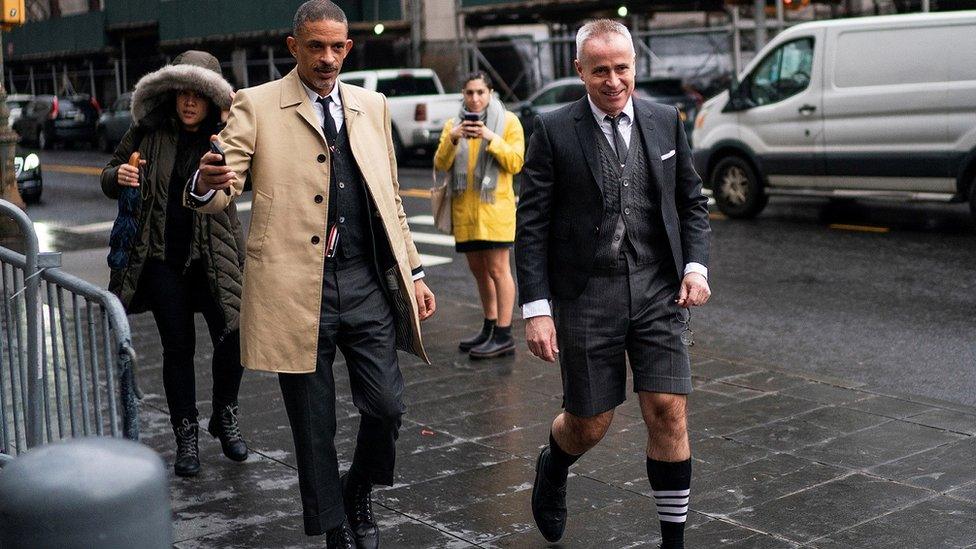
x: 972, y: 198
x: 398, y: 149
x: 737, y: 189
x: 43, y: 141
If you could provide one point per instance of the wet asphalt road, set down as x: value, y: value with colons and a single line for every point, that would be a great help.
x: 878, y: 293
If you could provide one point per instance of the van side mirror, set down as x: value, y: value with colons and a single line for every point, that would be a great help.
x: 739, y: 99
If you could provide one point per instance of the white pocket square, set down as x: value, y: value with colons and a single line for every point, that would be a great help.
x: 667, y: 156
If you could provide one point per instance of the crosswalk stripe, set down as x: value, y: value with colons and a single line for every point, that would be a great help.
x: 91, y: 228
x: 431, y: 260
x: 421, y: 220
x: 431, y: 238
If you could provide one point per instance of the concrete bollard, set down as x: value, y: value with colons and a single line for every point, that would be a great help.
x: 90, y: 492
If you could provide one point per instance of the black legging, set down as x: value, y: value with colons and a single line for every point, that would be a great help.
x: 173, y: 297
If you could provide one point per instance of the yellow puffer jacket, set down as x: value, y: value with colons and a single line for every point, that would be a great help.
x: 472, y: 218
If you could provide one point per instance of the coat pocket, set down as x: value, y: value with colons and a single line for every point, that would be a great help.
x: 402, y: 313
x: 260, y: 221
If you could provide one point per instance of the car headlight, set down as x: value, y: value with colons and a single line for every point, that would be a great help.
x: 32, y: 162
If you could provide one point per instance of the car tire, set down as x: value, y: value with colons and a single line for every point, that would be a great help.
x: 398, y: 149
x: 737, y: 188
x: 44, y: 141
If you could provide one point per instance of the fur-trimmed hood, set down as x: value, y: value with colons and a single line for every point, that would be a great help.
x: 191, y: 69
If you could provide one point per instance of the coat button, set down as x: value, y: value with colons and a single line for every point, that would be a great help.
x: 315, y: 239
x: 342, y: 220
x: 318, y: 199
x: 342, y: 185
x: 626, y: 211
x: 596, y: 230
x: 321, y: 158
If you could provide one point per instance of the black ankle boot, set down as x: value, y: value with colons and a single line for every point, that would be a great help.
x: 187, y: 452
x: 223, y: 425
x: 501, y: 343
x: 359, y: 511
x: 340, y: 537
x: 481, y: 337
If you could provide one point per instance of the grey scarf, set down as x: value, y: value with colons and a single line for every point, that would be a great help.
x: 486, y: 170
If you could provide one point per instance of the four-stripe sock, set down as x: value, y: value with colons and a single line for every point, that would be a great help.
x: 671, y: 485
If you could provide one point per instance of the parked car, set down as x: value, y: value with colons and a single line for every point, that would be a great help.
x: 417, y: 102
x: 27, y: 166
x: 560, y: 92
x: 114, y: 122
x: 47, y: 120
x: 880, y: 107
x: 15, y: 104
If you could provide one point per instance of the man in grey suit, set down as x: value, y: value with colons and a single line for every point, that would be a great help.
x: 611, y: 212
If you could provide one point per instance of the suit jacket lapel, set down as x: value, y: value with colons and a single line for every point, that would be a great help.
x: 585, y: 126
x: 651, y: 148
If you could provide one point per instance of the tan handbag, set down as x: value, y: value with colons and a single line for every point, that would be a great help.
x: 440, y: 203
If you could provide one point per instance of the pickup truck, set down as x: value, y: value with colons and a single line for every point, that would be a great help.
x: 418, y: 105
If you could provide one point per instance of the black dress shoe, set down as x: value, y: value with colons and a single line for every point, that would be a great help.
x: 484, y: 335
x: 359, y: 512
x: 223, y: 425
x: 187, y: 451
x: 340, y: 537
x: 548, y: 501
x: 494, y: 347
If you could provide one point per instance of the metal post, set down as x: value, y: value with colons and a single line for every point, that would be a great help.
x: 125, y: 75
x: 925, y: 6
x: 736, y: 41
x: 91, y: 77
x: 8, y: 144
x: 118, y: 78
x: 54, y: 79
x: 272, y: 70
x: 416, y: 30
x: 33, y: 87
x: 759, y: 18
x: 780, y: 16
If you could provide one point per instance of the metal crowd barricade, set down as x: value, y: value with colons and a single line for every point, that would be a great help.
x: 66, y: 357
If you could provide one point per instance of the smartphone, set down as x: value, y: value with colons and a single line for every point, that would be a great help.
x: 471, y: 117
x: 215, y: 148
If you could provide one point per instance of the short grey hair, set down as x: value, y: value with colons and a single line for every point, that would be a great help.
x: 317, y: 10
x: 598, y: 28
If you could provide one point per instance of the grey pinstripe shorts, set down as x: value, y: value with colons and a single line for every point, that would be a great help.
x: 625, y: 314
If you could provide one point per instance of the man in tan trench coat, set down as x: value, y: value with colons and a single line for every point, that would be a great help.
x: 330, y: 264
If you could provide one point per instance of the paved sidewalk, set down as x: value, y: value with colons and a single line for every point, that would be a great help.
x: 780, y: 460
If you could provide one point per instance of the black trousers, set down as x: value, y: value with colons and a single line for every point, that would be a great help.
x: 356, y: 319
x: 173, y: 297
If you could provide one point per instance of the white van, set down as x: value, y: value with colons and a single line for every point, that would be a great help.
x: 879, y: 107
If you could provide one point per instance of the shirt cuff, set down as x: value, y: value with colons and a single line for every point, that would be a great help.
x: 418, y: 273
x: 539, y: 307
x: 697, y: 268
x: 193, y: 186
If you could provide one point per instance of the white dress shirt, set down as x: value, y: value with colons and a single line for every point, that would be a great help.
x: 542, y: 307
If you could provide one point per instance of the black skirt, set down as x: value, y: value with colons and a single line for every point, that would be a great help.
x: 481, y: 245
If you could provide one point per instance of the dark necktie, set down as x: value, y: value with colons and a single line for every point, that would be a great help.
x: 618, y: 139
x: 330, y: 126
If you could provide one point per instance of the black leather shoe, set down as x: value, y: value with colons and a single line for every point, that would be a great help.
x: 187, y: 452
x: 223, y: 425
x: 548, y: 501
x: 359, y: 512
x: 494, y: 347
x: 340, y: 537
x: 470, y: 343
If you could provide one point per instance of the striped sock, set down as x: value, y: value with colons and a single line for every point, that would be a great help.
x: 671, y: 486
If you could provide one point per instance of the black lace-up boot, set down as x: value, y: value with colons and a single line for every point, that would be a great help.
x: 359, y: 511
x: 340, y: 537
x: 187, y: 452
x: 223, y: 425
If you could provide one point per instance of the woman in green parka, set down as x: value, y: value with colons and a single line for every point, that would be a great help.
x: 171, y: 261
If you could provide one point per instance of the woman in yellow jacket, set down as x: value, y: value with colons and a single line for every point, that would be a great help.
x: 482, y: 150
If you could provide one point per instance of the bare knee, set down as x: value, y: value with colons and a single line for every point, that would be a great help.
x: 587, y: 431
x: 665, y: 414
